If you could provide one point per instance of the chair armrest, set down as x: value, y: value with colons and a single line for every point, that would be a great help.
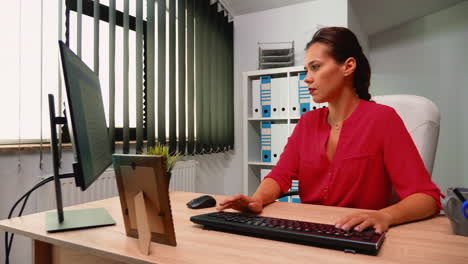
x: 291, y: 193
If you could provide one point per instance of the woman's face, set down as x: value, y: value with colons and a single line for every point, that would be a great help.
x: 325, y: 78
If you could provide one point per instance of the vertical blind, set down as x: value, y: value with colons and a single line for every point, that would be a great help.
x: 183, y: 71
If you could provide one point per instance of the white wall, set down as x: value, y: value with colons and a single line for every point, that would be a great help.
x: 290, y: 23
x: 354, y: 24
x: 429, y: 57
x: 17, y: 180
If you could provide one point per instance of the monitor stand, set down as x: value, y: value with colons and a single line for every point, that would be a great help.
x: 71, y: 219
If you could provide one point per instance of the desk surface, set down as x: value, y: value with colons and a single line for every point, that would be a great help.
x: 429, y: 241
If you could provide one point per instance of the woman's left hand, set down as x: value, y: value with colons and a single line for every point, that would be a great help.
x: 379, y: 220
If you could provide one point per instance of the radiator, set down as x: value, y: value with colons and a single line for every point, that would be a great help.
x: 184, y: 176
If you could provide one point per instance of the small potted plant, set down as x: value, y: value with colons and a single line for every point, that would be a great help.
x: 170, y: 159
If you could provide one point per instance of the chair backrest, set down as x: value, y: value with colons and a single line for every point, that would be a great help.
x: 422, y: 120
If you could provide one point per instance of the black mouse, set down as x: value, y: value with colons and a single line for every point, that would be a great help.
x: 203, y: 201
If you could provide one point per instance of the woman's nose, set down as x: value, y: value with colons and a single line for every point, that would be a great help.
x: 308, y: 78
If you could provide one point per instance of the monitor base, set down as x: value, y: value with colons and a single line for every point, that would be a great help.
x: 78, y: 219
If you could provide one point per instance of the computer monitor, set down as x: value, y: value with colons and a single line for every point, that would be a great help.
x: 89, y: 137
x: 86, y: 121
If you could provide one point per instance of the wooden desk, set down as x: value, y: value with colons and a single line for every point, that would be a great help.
x: 429, y: 241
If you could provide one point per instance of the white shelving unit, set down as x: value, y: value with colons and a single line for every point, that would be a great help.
x: 252, y: 161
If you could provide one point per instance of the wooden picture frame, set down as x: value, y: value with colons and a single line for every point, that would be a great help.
x: 144, y: 197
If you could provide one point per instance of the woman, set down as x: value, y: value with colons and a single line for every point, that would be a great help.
x: 355, y: 153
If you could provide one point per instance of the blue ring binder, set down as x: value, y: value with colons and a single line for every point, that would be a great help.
x: 265, y: 95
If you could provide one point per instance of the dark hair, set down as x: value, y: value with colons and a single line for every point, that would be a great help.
x: 343, y: 44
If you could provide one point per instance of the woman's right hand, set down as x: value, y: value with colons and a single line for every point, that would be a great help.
x: 242, y: 203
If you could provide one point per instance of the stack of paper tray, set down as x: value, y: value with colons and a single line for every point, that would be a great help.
x: 270, y: 57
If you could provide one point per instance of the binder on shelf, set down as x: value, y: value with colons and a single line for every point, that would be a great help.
x: 266, y: 141
x: 294, y: 96
x: 265, y: 95
x: 284, y: 98
x: 304, y: 96
x: 292, y: 198
x: 279, y: 137
x: 256, y: 106
x: 275, y: 97
x: 295, y: 187
x: 280, y: 95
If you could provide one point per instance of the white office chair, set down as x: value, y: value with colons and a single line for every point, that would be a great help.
x: 422, y: 119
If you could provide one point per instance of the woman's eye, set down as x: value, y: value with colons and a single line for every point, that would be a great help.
x: 315, y: 67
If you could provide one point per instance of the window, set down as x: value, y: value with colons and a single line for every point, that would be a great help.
x: 34, y: 71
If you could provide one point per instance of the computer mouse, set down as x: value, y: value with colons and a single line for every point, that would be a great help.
x: 203, y: 201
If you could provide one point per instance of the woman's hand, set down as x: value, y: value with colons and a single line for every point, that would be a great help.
x: 379, y: 220
x: 242, y: 203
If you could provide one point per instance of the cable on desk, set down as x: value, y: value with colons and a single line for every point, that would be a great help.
x: 8, y: 244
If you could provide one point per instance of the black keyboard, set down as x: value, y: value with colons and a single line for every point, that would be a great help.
x: 306, y: 233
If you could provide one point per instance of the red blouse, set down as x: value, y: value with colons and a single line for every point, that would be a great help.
x: 374, y: 154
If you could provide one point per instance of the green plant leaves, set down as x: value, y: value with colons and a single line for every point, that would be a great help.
x: 163, y: 150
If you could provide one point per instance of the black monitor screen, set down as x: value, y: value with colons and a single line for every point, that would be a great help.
x: 87, y: 121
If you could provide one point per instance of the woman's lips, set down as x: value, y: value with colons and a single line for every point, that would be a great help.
x: 312, y: 90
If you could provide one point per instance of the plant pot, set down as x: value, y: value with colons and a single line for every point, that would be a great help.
x: 168, y: 174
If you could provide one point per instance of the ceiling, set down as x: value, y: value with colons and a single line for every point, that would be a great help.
x: 241, y: 7
x: 374, y: 15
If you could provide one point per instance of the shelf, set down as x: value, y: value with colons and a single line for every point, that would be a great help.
x: 284, y: 70
x: 270, y: 118
x: 261, y: 163
x: 252, y: 130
